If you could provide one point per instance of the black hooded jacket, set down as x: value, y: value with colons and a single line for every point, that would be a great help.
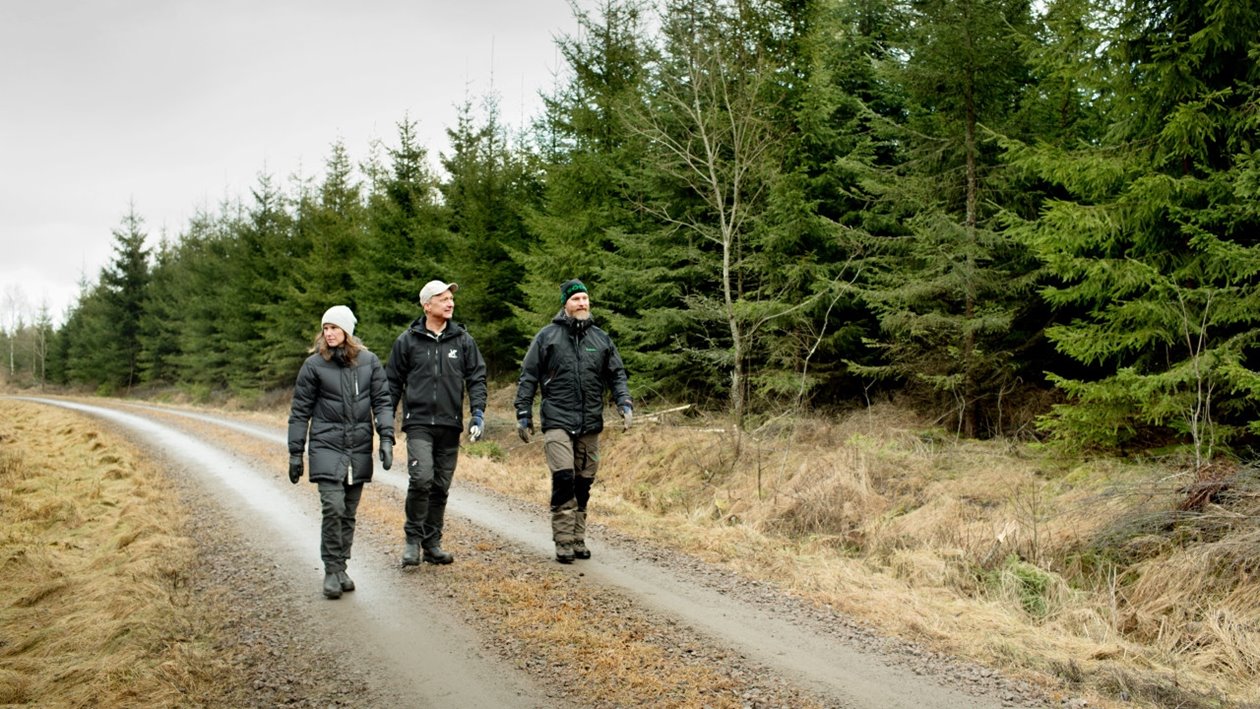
x: 428, y: 374
x: 339, y: 405
x: 573, y: 362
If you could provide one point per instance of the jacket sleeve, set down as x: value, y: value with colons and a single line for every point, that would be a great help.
x: 615, y: 376
x: 527, y: 385
x: 304, y: 392
x: 382, y: 403
x: 475, y: 377
x: 396, y: 371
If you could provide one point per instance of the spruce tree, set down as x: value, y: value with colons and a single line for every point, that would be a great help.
x: 204, y: 301
x: 160, y: 322
x: 405, y: 241
x: 1153, y: 242
x: 490, y: 185
x: 255, y: 282
x: 946, y: 283
x: 314, y: 267
x: 586, y: 148
x: 118, y: 308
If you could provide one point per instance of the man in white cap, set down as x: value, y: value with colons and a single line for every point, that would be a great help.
x: 433, y: 362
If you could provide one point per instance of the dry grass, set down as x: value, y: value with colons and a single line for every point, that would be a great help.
x: 1083, y: 578
x: 96, y: 611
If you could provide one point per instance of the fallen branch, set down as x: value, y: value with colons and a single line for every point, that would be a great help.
x: 658, y: 414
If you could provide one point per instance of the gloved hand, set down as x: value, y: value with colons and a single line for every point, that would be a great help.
x: 627, y: 417
x: 295, y: 468
x: 524, y: 427
x: 476, y: 427
x: 387, y: 453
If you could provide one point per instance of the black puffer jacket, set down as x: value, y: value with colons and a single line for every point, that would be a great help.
x: 428, y: 374
x: 573, y: 362
x: 337, y: 402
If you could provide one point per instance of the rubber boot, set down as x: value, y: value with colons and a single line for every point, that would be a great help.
x: 332, y: 586
x: 435, y: 555
x: 347, y: 583
x: 411, y: 554
x: 579, y: 535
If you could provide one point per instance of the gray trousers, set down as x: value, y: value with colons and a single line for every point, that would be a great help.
x: 338, y: 502
x: 573, y: 461
x: 432, y: 452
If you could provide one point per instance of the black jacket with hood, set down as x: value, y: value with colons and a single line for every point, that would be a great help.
x: 340, y: 404
x: 428, y: 373
x: 573, y: 362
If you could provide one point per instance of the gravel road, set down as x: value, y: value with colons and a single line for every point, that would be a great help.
x: 402, y: 639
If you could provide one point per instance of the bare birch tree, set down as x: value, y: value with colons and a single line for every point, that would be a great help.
x: 708, y: 129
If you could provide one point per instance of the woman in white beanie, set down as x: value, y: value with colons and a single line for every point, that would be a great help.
x: 341, y: 394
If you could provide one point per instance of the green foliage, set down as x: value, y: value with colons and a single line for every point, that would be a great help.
x: 950, y: 288
x: 158, y: 335
x: 1029, y: 584
x: 104, y: 350
x: 1153, y: 249
x: 486, y: 449
x: 490, y: 188
x: 405, y: 241
x: 778, y: 204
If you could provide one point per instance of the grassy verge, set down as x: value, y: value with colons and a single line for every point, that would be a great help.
x: 96, y: 609
x: 1091, y: 577
x: 1082, y: 575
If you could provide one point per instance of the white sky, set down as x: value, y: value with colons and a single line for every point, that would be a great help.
x: 178, y: 104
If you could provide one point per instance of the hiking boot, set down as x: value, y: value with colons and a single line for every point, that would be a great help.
x: 435, y: 555
x: 580, y: 551
x: 347, y: 583
x: 332, y: 586
x: 564, y: 552
x: 411, y: 554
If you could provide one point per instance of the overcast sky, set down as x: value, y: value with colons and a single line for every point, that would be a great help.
x: 172, y: 105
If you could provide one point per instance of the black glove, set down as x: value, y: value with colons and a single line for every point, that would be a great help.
x: 387, y: 453
x: 627, y: 417
x: 476, y: 427
x: 524, y: 427
x: 295, y: 468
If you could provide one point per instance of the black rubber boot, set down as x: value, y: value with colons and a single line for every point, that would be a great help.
x: 435, y: 555
x: 347, y: 583
x: 411, y: 554
x: 332, y: 586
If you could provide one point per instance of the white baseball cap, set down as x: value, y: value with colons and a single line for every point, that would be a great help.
x: 433, y: 288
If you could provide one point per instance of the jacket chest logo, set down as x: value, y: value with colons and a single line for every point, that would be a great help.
x: 453, y: 354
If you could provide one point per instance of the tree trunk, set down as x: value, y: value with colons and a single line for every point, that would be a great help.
x: 969, y: 405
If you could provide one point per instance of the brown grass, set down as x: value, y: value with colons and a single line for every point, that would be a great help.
x: 1080, y: 576
x: 95, y: 611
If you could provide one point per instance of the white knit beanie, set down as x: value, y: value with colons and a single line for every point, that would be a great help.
x: 340, y: 316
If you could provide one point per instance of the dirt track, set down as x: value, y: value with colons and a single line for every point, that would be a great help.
x: 405, y: 639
